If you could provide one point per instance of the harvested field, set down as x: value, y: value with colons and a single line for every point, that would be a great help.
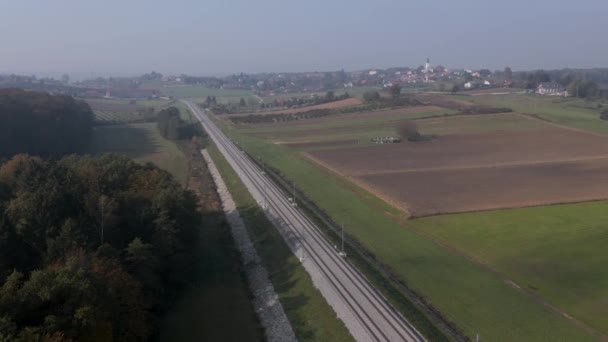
x: 468, y: 151
x: 439, y: 191
x: 330, y: 105
x: 480, y: 171
x: 477, y: 123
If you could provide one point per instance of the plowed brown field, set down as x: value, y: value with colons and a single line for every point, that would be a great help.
x: 481, y: 171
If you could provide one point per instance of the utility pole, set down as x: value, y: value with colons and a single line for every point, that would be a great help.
x: 342, y: 252
x: 295, y: 204
x: 343, y: 241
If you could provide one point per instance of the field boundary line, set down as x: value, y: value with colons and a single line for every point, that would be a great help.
x: 472, y: 167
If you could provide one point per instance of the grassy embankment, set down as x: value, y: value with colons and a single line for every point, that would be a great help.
x: 471, y: 296
x: 219, y: 298
x: 310, y: 315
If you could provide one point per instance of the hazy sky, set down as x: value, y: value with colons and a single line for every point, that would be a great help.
x: 215, y: 36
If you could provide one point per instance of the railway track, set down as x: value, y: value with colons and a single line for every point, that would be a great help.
x: 365, y: 312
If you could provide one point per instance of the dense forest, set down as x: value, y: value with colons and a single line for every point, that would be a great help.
x: 41, y: 124
x: 91, y: 248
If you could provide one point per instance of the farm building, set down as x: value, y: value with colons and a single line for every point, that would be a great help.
x: 551, y: 88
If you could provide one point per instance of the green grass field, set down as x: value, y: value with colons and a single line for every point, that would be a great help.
x: 357, y: 130
x: 337, y: 121
x: 556, y: 252
x: 566, y: 111
x: 311, y: 317
x: 474, y: 298
x: 361, y: 133
x: 143, y: 143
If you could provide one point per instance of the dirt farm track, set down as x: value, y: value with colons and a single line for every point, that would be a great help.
x: 479, y: 171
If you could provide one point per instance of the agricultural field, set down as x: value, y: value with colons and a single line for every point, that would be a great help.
x: 358, y: 128
x: 571, y: 112
x: 555, y: 254
x: 509, y: 274
x: 479, y: 170
x: 143, y: 143
x: 117, y: 111
x: 330, y: 105
x: 354, y: 92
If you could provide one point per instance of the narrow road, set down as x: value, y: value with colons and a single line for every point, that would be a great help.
x: 364, y: 311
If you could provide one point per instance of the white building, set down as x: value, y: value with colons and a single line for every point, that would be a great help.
x: 551, y: 88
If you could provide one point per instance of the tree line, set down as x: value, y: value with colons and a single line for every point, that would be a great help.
x: 171, y: 126
x: 42, y: 124
x: 91, y: 248
x: 579, y: 83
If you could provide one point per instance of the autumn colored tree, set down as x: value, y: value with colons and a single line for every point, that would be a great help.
x: 91, y: 247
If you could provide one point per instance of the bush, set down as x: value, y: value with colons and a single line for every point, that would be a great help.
x: 408, y: 130
x: 371, y: 96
